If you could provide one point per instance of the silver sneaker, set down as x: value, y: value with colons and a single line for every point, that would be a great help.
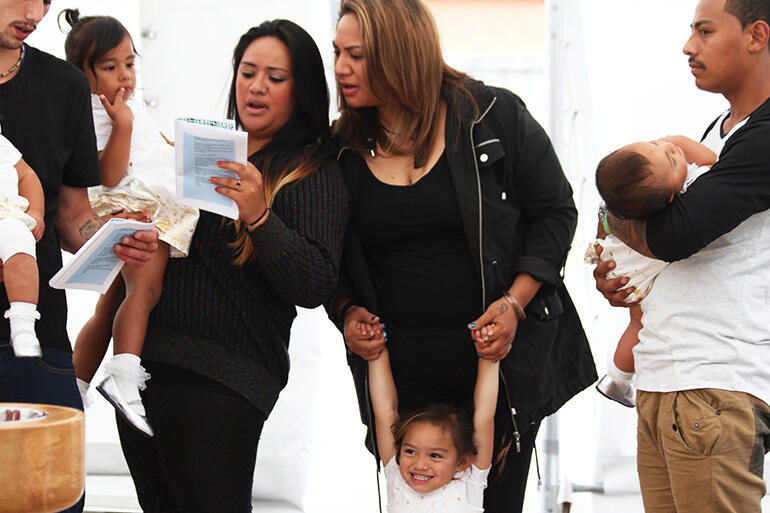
x: 109, y: 389
x: 624, y: 394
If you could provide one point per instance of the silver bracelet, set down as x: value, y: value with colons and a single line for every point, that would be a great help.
x: 517, y: 309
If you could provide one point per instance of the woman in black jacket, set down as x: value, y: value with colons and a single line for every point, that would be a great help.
x: 461, y: 220
x: 217, y: 342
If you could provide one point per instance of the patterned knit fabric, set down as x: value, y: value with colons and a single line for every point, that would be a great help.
x: 231, y: 324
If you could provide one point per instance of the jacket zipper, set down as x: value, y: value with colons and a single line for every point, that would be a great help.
x: 516, y: 435
x: 480, y: 202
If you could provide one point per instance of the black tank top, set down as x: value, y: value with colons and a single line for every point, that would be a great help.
x: 426, y: 284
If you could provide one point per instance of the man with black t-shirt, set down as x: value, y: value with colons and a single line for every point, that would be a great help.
x: 703, y: 360
x: 45, y: 111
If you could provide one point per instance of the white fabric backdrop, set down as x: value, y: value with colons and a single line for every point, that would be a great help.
x: 624, y: 79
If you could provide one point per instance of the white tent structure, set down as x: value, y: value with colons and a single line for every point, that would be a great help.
x: 613, y: 73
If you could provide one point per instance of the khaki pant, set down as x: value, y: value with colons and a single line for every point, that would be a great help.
x: 702, y: 451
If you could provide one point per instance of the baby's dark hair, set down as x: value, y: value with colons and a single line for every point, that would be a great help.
x: 91, y: 37
x: 450, y: 419
x: 622, y: 178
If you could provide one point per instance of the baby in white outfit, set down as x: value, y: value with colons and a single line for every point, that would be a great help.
x: 634, y: 182
x: 22, y: 208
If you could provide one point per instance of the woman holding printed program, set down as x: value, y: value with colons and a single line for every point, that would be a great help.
x: 137, y: 169
x: 461, y: 219
x: 217, y: 340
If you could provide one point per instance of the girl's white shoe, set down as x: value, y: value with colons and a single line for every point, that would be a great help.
x: 124, y: 379
x: 22, y: 317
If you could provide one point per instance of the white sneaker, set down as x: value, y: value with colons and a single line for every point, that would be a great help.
x: 132, y: 411
x: 23, y: 339
x: 624, y: 394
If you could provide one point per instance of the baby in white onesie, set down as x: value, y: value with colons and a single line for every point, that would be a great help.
x: 634, y: 182
x: 22, y: 208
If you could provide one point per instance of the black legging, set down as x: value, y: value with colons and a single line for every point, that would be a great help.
x: 505, y: 492
x: 202, y: 456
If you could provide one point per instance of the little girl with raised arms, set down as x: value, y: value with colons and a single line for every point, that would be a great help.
x: 634, y: 182
x: 436, y: 459
x: 22, y: 207
x: 137, y: 169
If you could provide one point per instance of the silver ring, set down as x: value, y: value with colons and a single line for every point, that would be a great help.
x: 238, y: 184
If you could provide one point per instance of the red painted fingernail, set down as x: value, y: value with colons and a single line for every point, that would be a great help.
x: 211, y: 179
x: 219, y: 162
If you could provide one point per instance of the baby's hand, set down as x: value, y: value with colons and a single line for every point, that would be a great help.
x: 39, y: 228
x: 119, y: 112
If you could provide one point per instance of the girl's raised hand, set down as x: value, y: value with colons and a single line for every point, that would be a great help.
x: 247, y: 190
x: 364, y: 333
x: 493, y: 332
x: 119, y: 112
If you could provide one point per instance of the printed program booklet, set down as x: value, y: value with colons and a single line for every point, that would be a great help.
x: 95, y: 265
x: 199, y: 145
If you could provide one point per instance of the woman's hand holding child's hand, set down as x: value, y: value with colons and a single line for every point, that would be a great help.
x: 119, y: 112
x: 247, y: 190
x: 364, y: 333
x: 493, y: 332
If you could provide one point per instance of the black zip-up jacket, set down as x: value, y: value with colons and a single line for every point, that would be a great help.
x: 518, y: 216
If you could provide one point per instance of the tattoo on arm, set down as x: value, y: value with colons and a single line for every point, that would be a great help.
x: 90, y: 226
x: 502, y: 308
x: 631, y: 231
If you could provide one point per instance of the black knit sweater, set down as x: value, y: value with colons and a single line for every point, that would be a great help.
x: 231, y: 324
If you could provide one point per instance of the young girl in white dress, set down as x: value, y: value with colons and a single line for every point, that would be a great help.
x: 22, y: 208
x: 137, y: 168
x: 436, y: 459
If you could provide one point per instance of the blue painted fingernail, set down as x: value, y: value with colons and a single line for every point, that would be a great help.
x: 383, y: 325
x: 374, y: 317
x: 480, y: 355
x: 472, y: 325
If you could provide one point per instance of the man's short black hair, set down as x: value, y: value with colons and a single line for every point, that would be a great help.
x: 749, y: 11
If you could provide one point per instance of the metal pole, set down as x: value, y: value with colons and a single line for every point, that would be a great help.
x: 555, y: 46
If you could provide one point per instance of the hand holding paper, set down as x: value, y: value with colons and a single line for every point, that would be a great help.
x: 247, y: 189
x: 95, y: 265
x: 199, y: 147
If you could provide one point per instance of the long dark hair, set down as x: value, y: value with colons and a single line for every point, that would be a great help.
x: 308, y: 126
x: 91, y: 37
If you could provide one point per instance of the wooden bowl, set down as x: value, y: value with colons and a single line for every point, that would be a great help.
x: 42, y: 467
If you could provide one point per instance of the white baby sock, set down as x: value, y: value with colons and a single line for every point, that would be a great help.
x: 83, y: 387
x: 617, y: 375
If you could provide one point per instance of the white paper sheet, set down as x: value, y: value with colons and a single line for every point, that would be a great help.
x: 200, y: 144
x: 95, y: 265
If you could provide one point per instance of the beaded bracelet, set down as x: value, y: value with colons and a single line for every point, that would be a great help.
x: 517, y: 309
